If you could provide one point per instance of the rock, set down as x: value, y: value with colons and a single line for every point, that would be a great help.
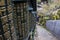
x: 54, y: 27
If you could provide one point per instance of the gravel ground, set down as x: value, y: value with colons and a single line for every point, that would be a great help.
x: 43, y: 34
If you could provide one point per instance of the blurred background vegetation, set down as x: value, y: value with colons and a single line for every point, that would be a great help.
x: 52, y: 7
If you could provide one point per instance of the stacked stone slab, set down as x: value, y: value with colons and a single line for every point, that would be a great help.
x: 54, y: 27
x: 16, y: 22
x: 6, y: 19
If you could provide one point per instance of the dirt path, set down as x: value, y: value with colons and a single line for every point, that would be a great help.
x: 43, y: 34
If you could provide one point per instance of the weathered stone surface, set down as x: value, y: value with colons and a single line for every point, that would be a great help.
x: 54, y: 27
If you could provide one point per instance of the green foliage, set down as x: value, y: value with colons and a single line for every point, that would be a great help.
x: 58, y: 12
x: 38, y: 0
